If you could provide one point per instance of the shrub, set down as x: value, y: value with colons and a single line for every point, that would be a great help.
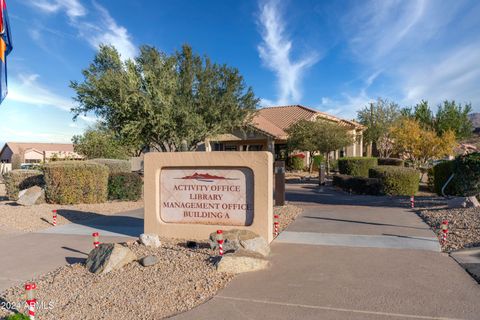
x: 441, y: 172
x: 297, y: 163
x: 71, y: 182
x: 125, y: 186
x: 19, y: 179
x: 17, y: 316
x: 396, y: 181
x: 467, y: 174
x: 359, y: 185
x: 114, y: 165
x: 356, y: 166
x: 317, y: 161
x: 391, y: 162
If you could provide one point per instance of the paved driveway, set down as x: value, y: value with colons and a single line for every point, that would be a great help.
x: 367, y: 258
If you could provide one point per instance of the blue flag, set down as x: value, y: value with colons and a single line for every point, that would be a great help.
x: 5, y: 48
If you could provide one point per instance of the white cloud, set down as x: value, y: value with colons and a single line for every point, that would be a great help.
x: 424, y: 50
x: 95, y: 27
x: 275, y: 52
x: 26, y: 89
x: 110, y: 33
x: 73, y: 8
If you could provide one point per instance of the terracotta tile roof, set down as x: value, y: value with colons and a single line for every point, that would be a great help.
x: 274, y: 121
x: 57, y: 147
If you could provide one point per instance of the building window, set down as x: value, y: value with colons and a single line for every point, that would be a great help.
x: 230, y: 147
x: 32, y: 160
x: 255, y: 147
x: 217, y: 147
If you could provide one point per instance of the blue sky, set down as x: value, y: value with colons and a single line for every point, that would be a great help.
x: 335, y: 56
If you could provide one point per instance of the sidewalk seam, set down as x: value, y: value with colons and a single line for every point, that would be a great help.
x: 337, y: 309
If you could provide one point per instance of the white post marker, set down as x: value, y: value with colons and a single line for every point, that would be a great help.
x: 220, y: 242
x: 275, y: 225
x: 444, y: 231
x: 96, y: 241
x: 54, y: 212
x: 412, y: 201
x: 31, y: 301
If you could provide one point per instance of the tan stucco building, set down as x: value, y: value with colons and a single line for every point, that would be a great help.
x: 37, y: 152
x: 268, y: 132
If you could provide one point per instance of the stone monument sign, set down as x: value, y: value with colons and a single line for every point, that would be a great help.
x: 188, y: 195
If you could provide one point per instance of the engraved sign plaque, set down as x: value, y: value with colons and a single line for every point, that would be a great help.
x: 210, y: 196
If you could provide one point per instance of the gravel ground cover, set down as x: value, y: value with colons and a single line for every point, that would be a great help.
x: 463, y: 226
x: 14, y: 217
x: 182, y: 279
x: 286, y: 214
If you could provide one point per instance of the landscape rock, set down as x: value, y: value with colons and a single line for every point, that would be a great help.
x: 150, y: 240
x: 108, y: 257
x: 241, y: 239
x: 241, y: 261
x: 149, y: 261
x: 463, y: 202
x: 31, y: 196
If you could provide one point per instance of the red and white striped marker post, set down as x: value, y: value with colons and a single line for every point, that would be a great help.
x: 444, y: 231
x: 31, y: 301
x: 275, y: 225
x: 54, y: 212
x: 220, y: 242
x: 96, y: 242
x: 412, y: 201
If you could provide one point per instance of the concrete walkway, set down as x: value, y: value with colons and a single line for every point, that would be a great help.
x: 28, y: 255
x: 367, y: 258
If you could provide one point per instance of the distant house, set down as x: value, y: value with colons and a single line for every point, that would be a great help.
x: 268, y: 132
x: 37, y: 152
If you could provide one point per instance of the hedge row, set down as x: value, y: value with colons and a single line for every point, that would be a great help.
x: 441, y: 172
x: 356, y: 166
x: 19, y: 179
x: 359, y: 185
x: 72, y: 182
x: 391, y: 162
x: 467, y: 174
x: 396, y: 181
x: 466, y: 180
x: 114, y: 165
x: 125, y: 186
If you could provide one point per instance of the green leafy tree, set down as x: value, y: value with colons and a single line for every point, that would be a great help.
x: 451, y: 116
x: 302, y: 137
x: 164, y: 102
x: 424, y: 115
x: 99, y: 142
x: 331, y: 137
x: 378, y: 117
x: 318, y: 136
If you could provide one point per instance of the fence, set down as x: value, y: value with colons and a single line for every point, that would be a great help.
x: 5, y: 167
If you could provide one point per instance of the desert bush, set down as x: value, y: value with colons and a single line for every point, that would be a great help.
x: 19, y: 179
x: 391, y: 162
x: 17, y: 316
x: 467, y: 174
x: 114, y: 165
x: 396, y: 181
x: 359, y: 185
x: 71, y: 182
x: 317, y: 161
x: 125, y: 186
x: 441, y: 172
x: 296, y: 163
x: 356, y: 166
